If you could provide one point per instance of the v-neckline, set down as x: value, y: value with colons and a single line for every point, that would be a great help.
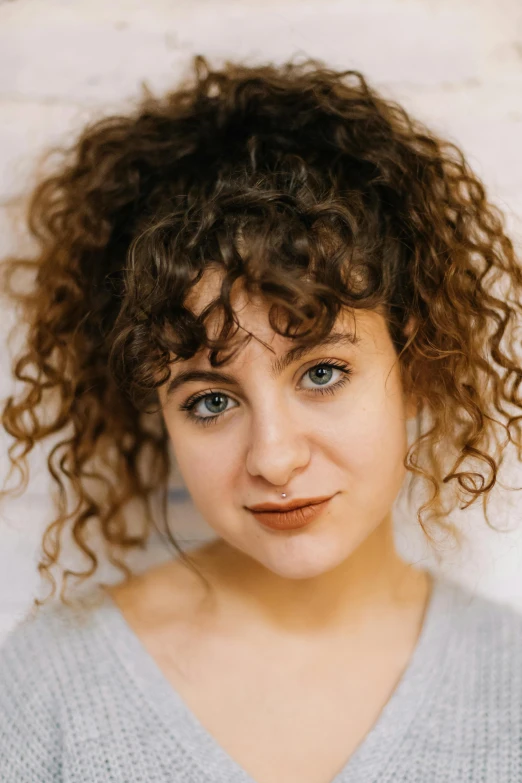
x: 415, y: 683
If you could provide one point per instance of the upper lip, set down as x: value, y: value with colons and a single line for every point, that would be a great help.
x: 299, y: 503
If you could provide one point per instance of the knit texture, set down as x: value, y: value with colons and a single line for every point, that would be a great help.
x: 82, y: 701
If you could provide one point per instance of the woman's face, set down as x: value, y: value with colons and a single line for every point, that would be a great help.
x: 331, y: 422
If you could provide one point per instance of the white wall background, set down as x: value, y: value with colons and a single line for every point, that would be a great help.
x: 456, y: 64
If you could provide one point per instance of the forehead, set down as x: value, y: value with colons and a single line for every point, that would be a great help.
x: 251, y: 312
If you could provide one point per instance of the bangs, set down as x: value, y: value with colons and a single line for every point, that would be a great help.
x: 306, y: 260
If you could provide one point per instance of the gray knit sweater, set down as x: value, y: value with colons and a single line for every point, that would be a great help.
x: 81, y: 701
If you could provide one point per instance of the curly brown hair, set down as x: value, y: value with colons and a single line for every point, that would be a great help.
x: 317, y: 193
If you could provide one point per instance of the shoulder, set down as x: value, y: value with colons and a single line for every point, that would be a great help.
x: 479, y: 622
x: 39, y: 664
x: 495, y: 620
x: 482, y: 658
x: 465, y: 708
x: 40, y: 653
x: 47, y: 636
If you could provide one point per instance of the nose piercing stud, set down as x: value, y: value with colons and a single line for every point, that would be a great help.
x: 283, y: 494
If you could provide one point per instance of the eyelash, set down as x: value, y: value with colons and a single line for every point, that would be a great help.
x: 191, y: 403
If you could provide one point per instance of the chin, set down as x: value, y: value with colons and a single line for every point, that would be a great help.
x: 296, y: 558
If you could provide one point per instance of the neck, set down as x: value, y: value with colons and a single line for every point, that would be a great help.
x: 373, y: 577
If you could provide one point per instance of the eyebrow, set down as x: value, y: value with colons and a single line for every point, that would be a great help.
x: 278, y: 365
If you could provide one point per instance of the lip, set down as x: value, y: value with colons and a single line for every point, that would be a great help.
x: 299, y: 503
x: 294, y: 515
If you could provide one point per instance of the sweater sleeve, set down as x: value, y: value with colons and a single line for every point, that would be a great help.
x: 29, y: 726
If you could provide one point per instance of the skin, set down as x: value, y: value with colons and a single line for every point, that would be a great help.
x: 279, y: 435
x: 331, y: 605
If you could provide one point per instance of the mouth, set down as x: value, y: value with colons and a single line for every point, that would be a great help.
x: 290, y: 516
x: 293, y: 504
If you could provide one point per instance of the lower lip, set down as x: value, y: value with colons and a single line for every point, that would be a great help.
x: 290, y: 520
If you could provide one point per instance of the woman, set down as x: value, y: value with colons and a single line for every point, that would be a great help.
x: 268, y: 273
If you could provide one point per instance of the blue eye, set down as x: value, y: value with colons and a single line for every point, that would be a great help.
x: 208, y: 407
x: 323, y: 373
x: 217, y: 403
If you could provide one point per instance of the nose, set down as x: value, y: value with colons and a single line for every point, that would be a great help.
x: 278, y: 446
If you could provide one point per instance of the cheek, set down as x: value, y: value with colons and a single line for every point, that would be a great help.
x: 208, y: 468
x: 371, y: 436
